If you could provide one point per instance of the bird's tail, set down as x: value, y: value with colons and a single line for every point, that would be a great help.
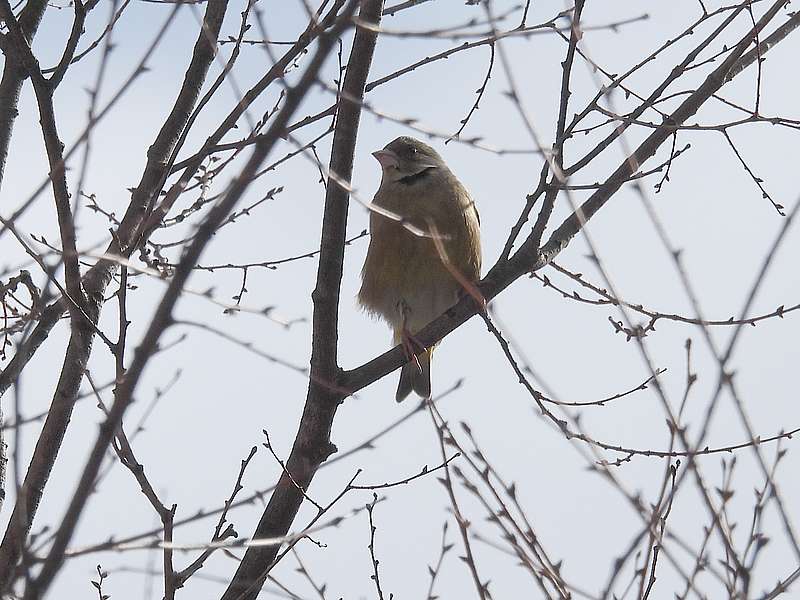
x: 416, y: 376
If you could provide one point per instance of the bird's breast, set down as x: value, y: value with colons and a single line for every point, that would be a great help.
x: 413, y: 271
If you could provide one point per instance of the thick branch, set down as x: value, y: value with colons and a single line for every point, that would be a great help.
x: 312, y: 444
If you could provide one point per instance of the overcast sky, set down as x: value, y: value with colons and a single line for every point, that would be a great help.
x: 225, y: 396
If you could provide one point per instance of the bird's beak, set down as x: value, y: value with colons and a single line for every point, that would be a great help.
x: 387, y: 158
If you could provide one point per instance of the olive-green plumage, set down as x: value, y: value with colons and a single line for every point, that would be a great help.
x: 406, y: 278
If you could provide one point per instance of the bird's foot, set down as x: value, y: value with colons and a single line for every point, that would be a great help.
x: 412, y: 347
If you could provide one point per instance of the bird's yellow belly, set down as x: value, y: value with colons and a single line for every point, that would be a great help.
x: 406, y: 279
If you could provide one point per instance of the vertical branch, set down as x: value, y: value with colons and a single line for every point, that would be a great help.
x: 124, y: 451
x: 558, y: 146
x: 13, y: 76
x: 312, y: 444
x: 550, y: 190
x: 3, y: 460
x: 72, y: 43
x: 463, y: 524
x: 375, y: 576
x: 324, y: 364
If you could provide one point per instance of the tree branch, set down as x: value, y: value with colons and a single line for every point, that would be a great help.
x: 575, y: 222
x: 13, y: 76
x: 80, y: 343
x: 528, y: 257
x: 131, y: 233
x: 163, y: 315
x: 55, y: 156
x: 312, y: 444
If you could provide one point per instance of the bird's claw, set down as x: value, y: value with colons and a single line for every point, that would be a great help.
x: 412, y: 347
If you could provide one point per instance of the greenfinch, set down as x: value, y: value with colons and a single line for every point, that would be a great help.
x: 424, y: 250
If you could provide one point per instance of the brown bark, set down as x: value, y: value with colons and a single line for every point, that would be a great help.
x: 312, y: 444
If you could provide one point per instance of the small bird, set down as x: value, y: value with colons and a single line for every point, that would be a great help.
x: 424, y: 250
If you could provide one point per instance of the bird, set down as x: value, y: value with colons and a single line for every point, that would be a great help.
x: 424, y: 250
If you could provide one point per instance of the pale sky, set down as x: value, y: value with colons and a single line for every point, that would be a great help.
x: 225, y: 396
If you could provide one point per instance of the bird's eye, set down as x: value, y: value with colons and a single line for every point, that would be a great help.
x: 413, y: 150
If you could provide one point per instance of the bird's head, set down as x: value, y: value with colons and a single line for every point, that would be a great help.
x: 406, y: 157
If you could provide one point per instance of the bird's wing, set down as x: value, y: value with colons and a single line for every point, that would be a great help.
x: 467, y: 241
